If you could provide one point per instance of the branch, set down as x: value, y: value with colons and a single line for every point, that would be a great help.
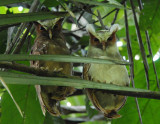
x: 149, y: 47
x: 130, y: 56
x: 78, y: 120
x: 65, y: 80
x: 73, y: 109
x: 146, y: 66
x: 115, y: 17
x: 100, y: 20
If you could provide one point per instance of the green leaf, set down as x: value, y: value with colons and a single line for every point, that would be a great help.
x: 90, y: 111
x: 9, y: 92
x: 12, y: 78
x: 6, y: 2
x: 51, y: 3
x: 150, y: 15
x: 93, y: 2
x: 49, y: 119
x: 148, y: 107
x: 26, y: 17
x: 59, y: 58
x: 28, y: 102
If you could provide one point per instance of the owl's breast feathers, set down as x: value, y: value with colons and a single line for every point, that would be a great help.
x: 107, y: 103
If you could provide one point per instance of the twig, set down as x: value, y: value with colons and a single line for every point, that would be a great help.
x: 149, y: 47
x: 130, y: 55
x: 29, y: 39
x: 100, y: 20
x: 22, y: 40
x: 73, y: 109
x: 9, y: 37
x: 115, y: 17
x: 80, y: 16
x: 33, y: 8
x: 16, y: 38
x: 79, y: 120
x: 150, y: 51
x: 96, y: 20
x: 106, y: 15
x: 146, y: 66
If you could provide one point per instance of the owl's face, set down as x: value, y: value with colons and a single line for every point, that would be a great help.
x: 49, y: 28
x: 102, y: 42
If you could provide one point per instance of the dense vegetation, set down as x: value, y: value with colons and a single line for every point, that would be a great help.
x: 19, y: 103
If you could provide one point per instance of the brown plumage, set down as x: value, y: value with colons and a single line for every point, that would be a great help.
x: 103, y: 45
x: 50, y: 40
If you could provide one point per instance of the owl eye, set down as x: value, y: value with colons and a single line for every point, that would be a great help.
x: 96, y: 40
x: 110, y: 38
x: 42, y: 28
x: 56, y: 26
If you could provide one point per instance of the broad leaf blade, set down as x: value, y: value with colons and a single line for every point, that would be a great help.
x: 6, y: 2
x: 12, y: 78
x: 27, y: 17
x: 93, y: 2
x: 28, y: 102
x: 59, y: 58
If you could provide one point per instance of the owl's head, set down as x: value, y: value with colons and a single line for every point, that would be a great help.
x: 102, y: 42
x: 49, y: 27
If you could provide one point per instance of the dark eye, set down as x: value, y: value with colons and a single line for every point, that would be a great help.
x: 96, y: 40
x: 110, y: 38
x: 42, y: 28
x: 55, y: 27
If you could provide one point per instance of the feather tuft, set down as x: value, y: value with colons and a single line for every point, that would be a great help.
x: 114, y: 28
x: 90, y: 29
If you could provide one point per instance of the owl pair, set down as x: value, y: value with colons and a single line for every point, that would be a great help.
x: 50, y: 40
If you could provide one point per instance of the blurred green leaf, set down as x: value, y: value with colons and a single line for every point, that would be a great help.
x: 49, y: 119
x: 59, y: 58
x: 6, y: 2
x: 90, y: 111
x: 26, y: 17
x: 28, y: 102
x: 148, y: 107
x: 3, y: 10
x: 150, y: 15
x: 113, y: 4
x: 51, y: 3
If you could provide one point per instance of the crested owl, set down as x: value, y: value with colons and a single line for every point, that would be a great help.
x: 103, y: 45
x: 50, y: 40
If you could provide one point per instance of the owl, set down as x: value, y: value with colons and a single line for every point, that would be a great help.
x: 50, y: 40
x: 103, y: 45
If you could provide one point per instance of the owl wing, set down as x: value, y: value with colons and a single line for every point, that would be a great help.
x: 39, y: 48
x: 86, y: 68
x: 90, y: 92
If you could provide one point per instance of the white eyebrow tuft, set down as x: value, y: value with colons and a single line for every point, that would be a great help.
x: 90, y: 28
x: 114, y: 28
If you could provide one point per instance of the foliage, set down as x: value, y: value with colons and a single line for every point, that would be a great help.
x: 86, y: 10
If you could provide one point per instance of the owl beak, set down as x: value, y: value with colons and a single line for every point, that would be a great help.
x: 50, y: 34
x: 104, y: 45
